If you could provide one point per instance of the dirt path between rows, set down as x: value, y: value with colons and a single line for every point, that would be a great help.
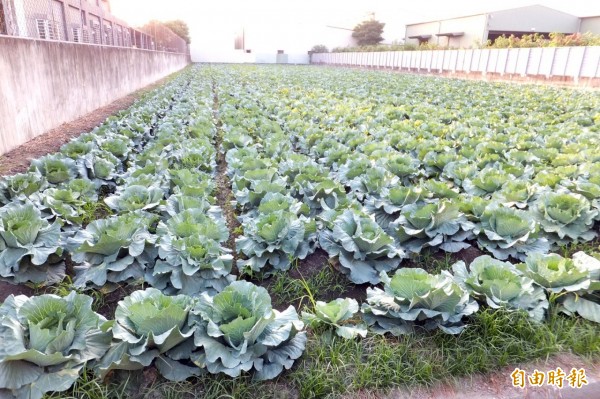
x: 18, y: 160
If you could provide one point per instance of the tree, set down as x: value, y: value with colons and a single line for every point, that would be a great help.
x: 180, y: 28
x: 368, y: 32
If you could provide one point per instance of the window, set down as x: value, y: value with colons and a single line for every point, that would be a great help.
x: 248, y: 51
x: 77, y: 35
x: 3, y: 28
x: 48, y: 30
x: 280, y: 52
x: 95, y: 30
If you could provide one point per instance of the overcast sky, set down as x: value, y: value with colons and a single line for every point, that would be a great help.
x: 213, y: 23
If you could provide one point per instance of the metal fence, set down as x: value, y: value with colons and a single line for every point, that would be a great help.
x: 81, y: 21
x: 567, y: 62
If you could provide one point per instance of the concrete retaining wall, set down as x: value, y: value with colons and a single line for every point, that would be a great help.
x: 46, y: 83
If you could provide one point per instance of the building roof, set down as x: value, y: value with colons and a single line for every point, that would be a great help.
x: 490, y: 12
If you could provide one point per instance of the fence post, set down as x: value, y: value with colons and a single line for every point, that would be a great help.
x: 527, y: 62
x: 576, y: 78
x: 549, y: 74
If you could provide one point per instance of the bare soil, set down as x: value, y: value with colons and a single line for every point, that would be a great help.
x: 314, y: 263
x: 18, y: 160
x: 7, y: 289
x: 224, y: 194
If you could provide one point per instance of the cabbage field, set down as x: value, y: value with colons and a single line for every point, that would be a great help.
x: 194, y: 201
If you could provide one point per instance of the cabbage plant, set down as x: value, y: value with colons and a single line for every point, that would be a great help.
x: 339, y: 314
x: 152, y: 328
x: 500, y: 284
x: 191, y: 182
x: 271, y: 240
x: 67, y: 202
x: 192, y: 256
x: 566, y: 217
x: 515, y: 193
x: 508, y: 232
x: 28, y: 243
x: 555, y: 273
x: 319, y: 193
x: 238, y: 331
x: 439, y: 224
x: 386, y: 206
x: 362, y: 247
x: 586, y: 301
x: 20, y: 186
x: 114, y: 250
x: 56, y: 168
x: 486, y: 182
x: 132, y: 198
x: 412, y: 297
x: 101, y: 167
x: 46, y: 342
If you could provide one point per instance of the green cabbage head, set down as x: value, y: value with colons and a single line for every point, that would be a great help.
x: 501, y: 284
x: 555, y: 273
x: 27, y: 241
x: 46, y: 342
x: 566, y: 216
x: 238, y: 331
x: 413, y: 297
x: 339, y: 314
x: 152, y: 328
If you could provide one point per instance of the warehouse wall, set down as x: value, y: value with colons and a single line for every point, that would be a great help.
x: 474, y: 28
x: 44, y: 84
x: 534, y: 18
x: 590, y: 24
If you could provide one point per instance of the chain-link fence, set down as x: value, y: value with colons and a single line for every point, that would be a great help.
x: 81, y: 21
x: 163, y: 38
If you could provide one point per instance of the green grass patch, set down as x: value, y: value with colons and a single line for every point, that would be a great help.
x: 332, y: 366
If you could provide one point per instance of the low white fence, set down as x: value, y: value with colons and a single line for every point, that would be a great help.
x: 569, y: 62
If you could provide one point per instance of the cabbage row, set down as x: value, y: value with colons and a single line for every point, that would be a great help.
x: 150, y: 170
x: 47, y: 340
